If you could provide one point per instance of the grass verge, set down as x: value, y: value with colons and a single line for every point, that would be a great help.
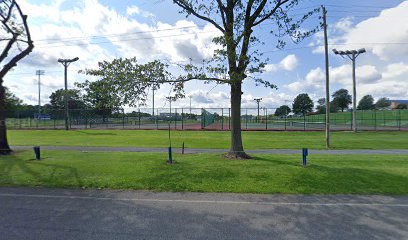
x: 326, y: 174
x: 206, y: 139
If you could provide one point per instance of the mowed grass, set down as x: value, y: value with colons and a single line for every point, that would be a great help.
x: 208, y: 139
x: 325, y: 174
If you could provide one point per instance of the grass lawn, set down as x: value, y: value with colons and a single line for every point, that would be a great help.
x: 208, y: 139
x: 326, y: 174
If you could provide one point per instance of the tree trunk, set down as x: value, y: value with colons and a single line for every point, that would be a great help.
x: 4, y: 147
x: 237, y: 149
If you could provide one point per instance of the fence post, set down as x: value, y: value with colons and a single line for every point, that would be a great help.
x: 399, y: 120
x: 156, y: 119
x: 222, y: 119
x: 123, y: 118
x: 229, y: 118
x: 182, y: 118
x: 246, y: 119
x: 266, y: 118
x: 138, y: 117
x: 175, y: 118
x: 304, y: 121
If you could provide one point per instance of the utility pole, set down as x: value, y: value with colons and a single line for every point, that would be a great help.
x: 352, y: 55
x: 258, y: 100
x: 39, y: 73
x: 66, y: 63
x: 326, y: 53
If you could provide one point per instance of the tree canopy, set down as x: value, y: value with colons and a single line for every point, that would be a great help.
x: 238, y: 57
x: 74, y: 99
x: 383, y: 103
x: 302, y: 104
x: 366, y: 103
x: 283, y: 110
x: 341, y: 99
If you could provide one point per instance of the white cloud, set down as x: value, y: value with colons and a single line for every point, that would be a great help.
x: 289, y: 63
x: 313, y: 80
x: 135, y: 10
x: 383, y: 30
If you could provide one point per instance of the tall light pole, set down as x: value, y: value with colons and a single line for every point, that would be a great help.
x: 66, y: 63
x: 352, y: 55
x: 326, y: 55
x: 39, y: 73
x: 258, y: 100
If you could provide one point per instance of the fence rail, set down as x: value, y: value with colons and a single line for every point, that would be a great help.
x: 204, y: 119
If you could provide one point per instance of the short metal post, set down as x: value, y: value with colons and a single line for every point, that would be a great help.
x: 182, y: 149
x: 37, y: 152
x: 304, y: 155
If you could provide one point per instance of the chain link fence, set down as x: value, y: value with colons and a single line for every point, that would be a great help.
x: 205, y: 119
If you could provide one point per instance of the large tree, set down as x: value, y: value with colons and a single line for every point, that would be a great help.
x: 383, y: 103
x: 321, y: 107
x: 74, y: 99
x: 16, y: 43
x: 366, y: 103
x: 341, y: 99
x: 283, y: 110
x: 238, y: 57
x: 12, y: 102
x: 302, y: 104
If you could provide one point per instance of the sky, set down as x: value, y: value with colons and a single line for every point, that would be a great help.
x: 98, y: 30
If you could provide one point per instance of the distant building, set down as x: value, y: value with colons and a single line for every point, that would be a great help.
x: 395, y: 103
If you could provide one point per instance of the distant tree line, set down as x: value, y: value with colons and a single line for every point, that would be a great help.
x: 341, y: 100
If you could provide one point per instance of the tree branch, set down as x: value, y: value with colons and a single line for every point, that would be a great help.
x: 278, y: 5
x: 222, y: 10
x: 13, y: 62
x: 8, y: 47
x: 183, y: 4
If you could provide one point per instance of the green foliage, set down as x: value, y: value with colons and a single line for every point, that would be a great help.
x: 366, y: 103
x: 12, y: 102
x: 74, y: 99
x: 302, y: 104
x: 283, y: 110
x: 402, y: 106
x: 125, y: 82
x: 382, y: 103
x: 321, y: 108
x: 341, y: 99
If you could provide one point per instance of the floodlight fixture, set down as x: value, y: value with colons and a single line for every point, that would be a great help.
x: 66, y: 63
x: 352, y: 55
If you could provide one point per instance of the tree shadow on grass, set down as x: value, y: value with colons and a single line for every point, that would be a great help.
x: 275, y: 175
x: 38, y: 172
x: 320, y: 178
x: 97, y: 133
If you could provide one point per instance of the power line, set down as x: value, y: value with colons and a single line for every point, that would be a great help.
x: 113, y: 35
x: 357, y: 6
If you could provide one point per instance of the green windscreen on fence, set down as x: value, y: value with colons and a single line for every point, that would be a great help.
x: 206, y: 118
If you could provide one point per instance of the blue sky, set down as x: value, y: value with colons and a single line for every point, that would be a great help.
x: 97, y: 30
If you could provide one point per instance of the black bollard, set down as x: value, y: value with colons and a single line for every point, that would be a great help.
x: 305, y: 152
x: 170, y: 161
x: 37, y: 152
x: 182, y: 149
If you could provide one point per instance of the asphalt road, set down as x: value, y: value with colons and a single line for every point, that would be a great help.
x: 201, y: 150
x: 27, y: 213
